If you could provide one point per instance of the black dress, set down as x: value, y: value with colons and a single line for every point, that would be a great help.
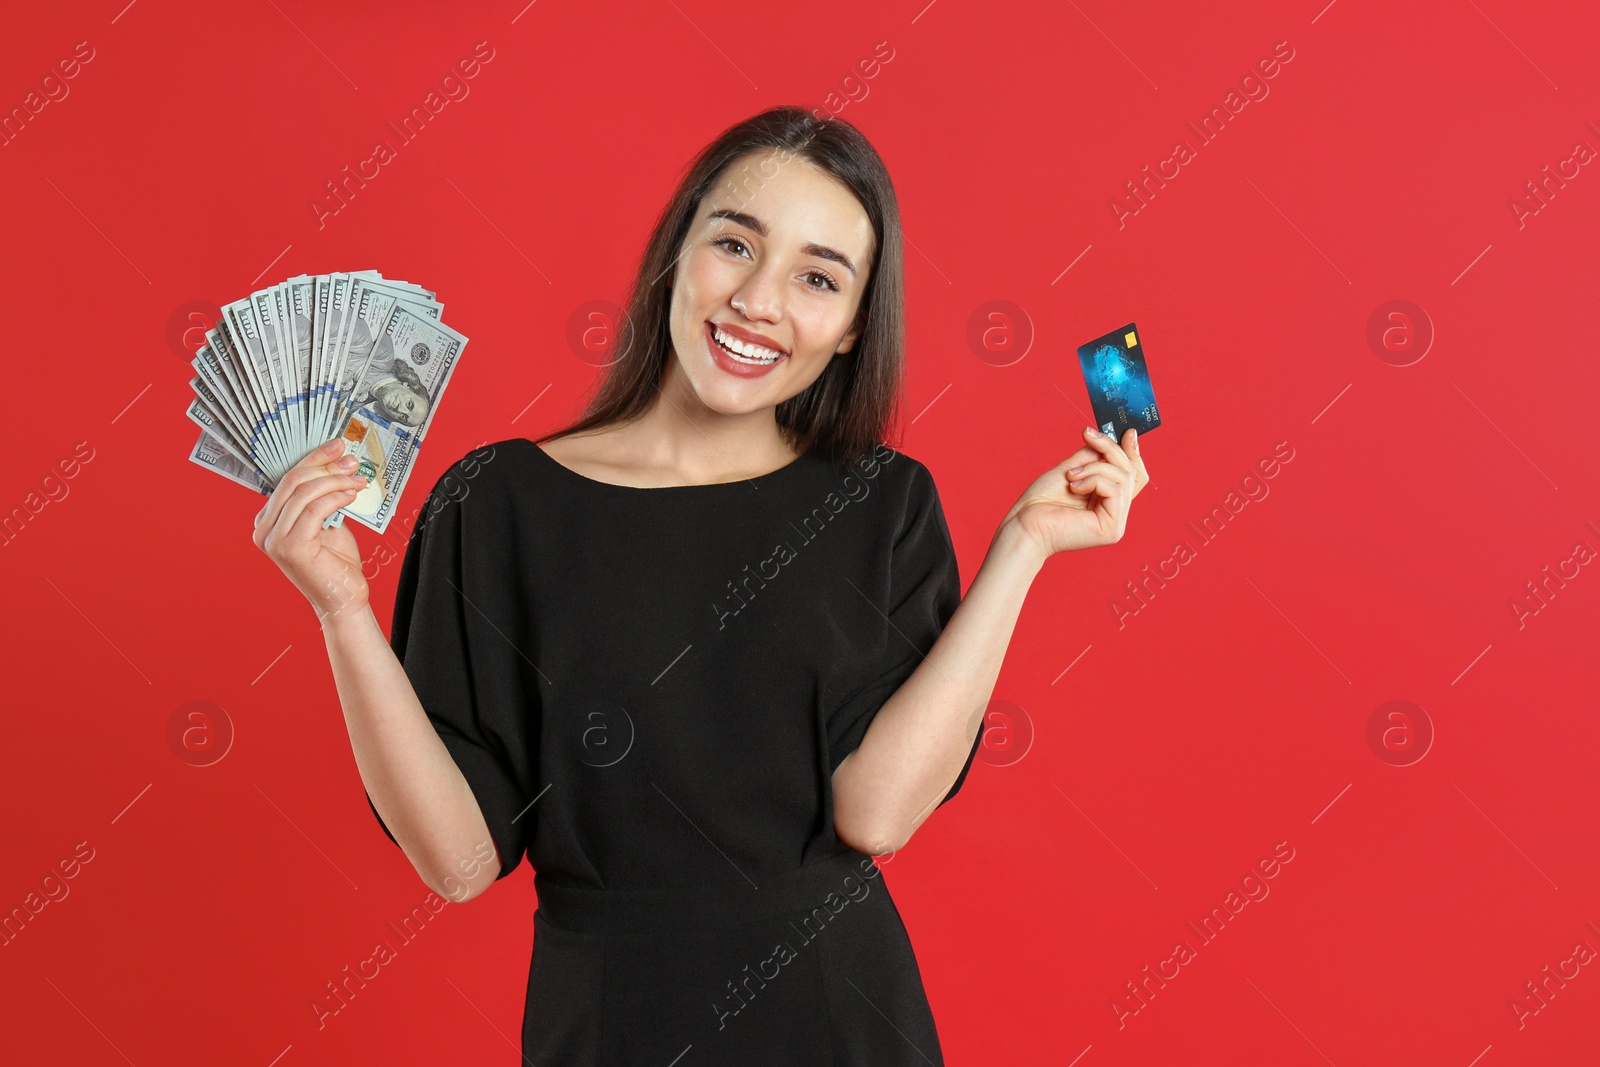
x: 648, y: 690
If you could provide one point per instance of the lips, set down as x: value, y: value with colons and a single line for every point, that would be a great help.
x: 742, y: 334
x: 728, y: 362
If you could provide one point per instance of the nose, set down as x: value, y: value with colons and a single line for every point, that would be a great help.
x: 761, y: 295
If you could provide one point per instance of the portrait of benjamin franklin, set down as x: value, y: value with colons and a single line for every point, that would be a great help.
x: 392, y: 388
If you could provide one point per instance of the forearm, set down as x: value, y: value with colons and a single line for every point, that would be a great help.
x: 415, y: 785
x: 920, y: 739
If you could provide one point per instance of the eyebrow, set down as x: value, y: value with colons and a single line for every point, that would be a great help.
x: 750, y: 222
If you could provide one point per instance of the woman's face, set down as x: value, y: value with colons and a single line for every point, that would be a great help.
x: 778, y: 255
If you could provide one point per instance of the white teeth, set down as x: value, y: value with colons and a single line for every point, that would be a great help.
x: 743, y: 351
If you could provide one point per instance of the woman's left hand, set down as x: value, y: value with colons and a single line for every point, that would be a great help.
x: 1083, y: 501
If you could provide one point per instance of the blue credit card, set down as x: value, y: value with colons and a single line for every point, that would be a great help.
x: 1119, y: 383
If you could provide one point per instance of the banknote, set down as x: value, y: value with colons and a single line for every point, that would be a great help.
x: 209, y: 453
x: 352, y: 355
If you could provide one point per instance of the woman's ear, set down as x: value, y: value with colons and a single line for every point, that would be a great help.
x: 847, y: 343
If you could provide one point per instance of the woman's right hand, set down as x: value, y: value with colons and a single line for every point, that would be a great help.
x: 324, y: 564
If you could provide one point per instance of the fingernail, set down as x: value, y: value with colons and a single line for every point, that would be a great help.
x: 333, y: 444
x: 1074, y: 470
x: 1092, y: 431
x: 346, y: 463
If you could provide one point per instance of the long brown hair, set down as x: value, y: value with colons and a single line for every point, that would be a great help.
x: 846, y: 412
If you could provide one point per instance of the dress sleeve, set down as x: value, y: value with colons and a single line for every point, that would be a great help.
x: 924, y: 591
x: 453, y: 633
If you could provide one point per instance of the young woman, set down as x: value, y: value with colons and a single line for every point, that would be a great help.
x: 703, y: 653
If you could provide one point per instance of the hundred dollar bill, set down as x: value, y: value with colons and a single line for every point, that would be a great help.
x: 389, y: 407
x: 209, y: 387
x: 244, y: 334
x: 334, y: 331
x: 204, y: 414
x: 209, y: 453
x: 266, y: 305
x: 220, y: 353
x: 371, y: 303
x: 298, y: 311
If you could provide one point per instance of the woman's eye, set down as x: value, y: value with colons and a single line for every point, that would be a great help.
x: 736, y: 246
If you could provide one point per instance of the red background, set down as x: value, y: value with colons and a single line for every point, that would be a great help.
x: 1226, y: 716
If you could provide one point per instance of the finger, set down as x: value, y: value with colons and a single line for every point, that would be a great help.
x: 318, y: 462
x: 1130, y: 445
x: 1107, y: 447
x: 1098, y: 467
x: 1081, y: 456
x: 308, y: 527
x: 308, y: 493
x: 1101, y: 485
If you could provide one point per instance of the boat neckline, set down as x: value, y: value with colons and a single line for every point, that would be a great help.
x: 757, y: 481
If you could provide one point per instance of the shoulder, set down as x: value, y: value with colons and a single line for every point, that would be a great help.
x: 490, y: 464
x: 902, y: 477
x: 487, y: 475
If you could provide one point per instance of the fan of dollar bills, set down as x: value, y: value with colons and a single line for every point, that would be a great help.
x: 356, y: 356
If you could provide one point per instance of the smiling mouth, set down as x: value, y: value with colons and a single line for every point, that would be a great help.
x: 742, y: 351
